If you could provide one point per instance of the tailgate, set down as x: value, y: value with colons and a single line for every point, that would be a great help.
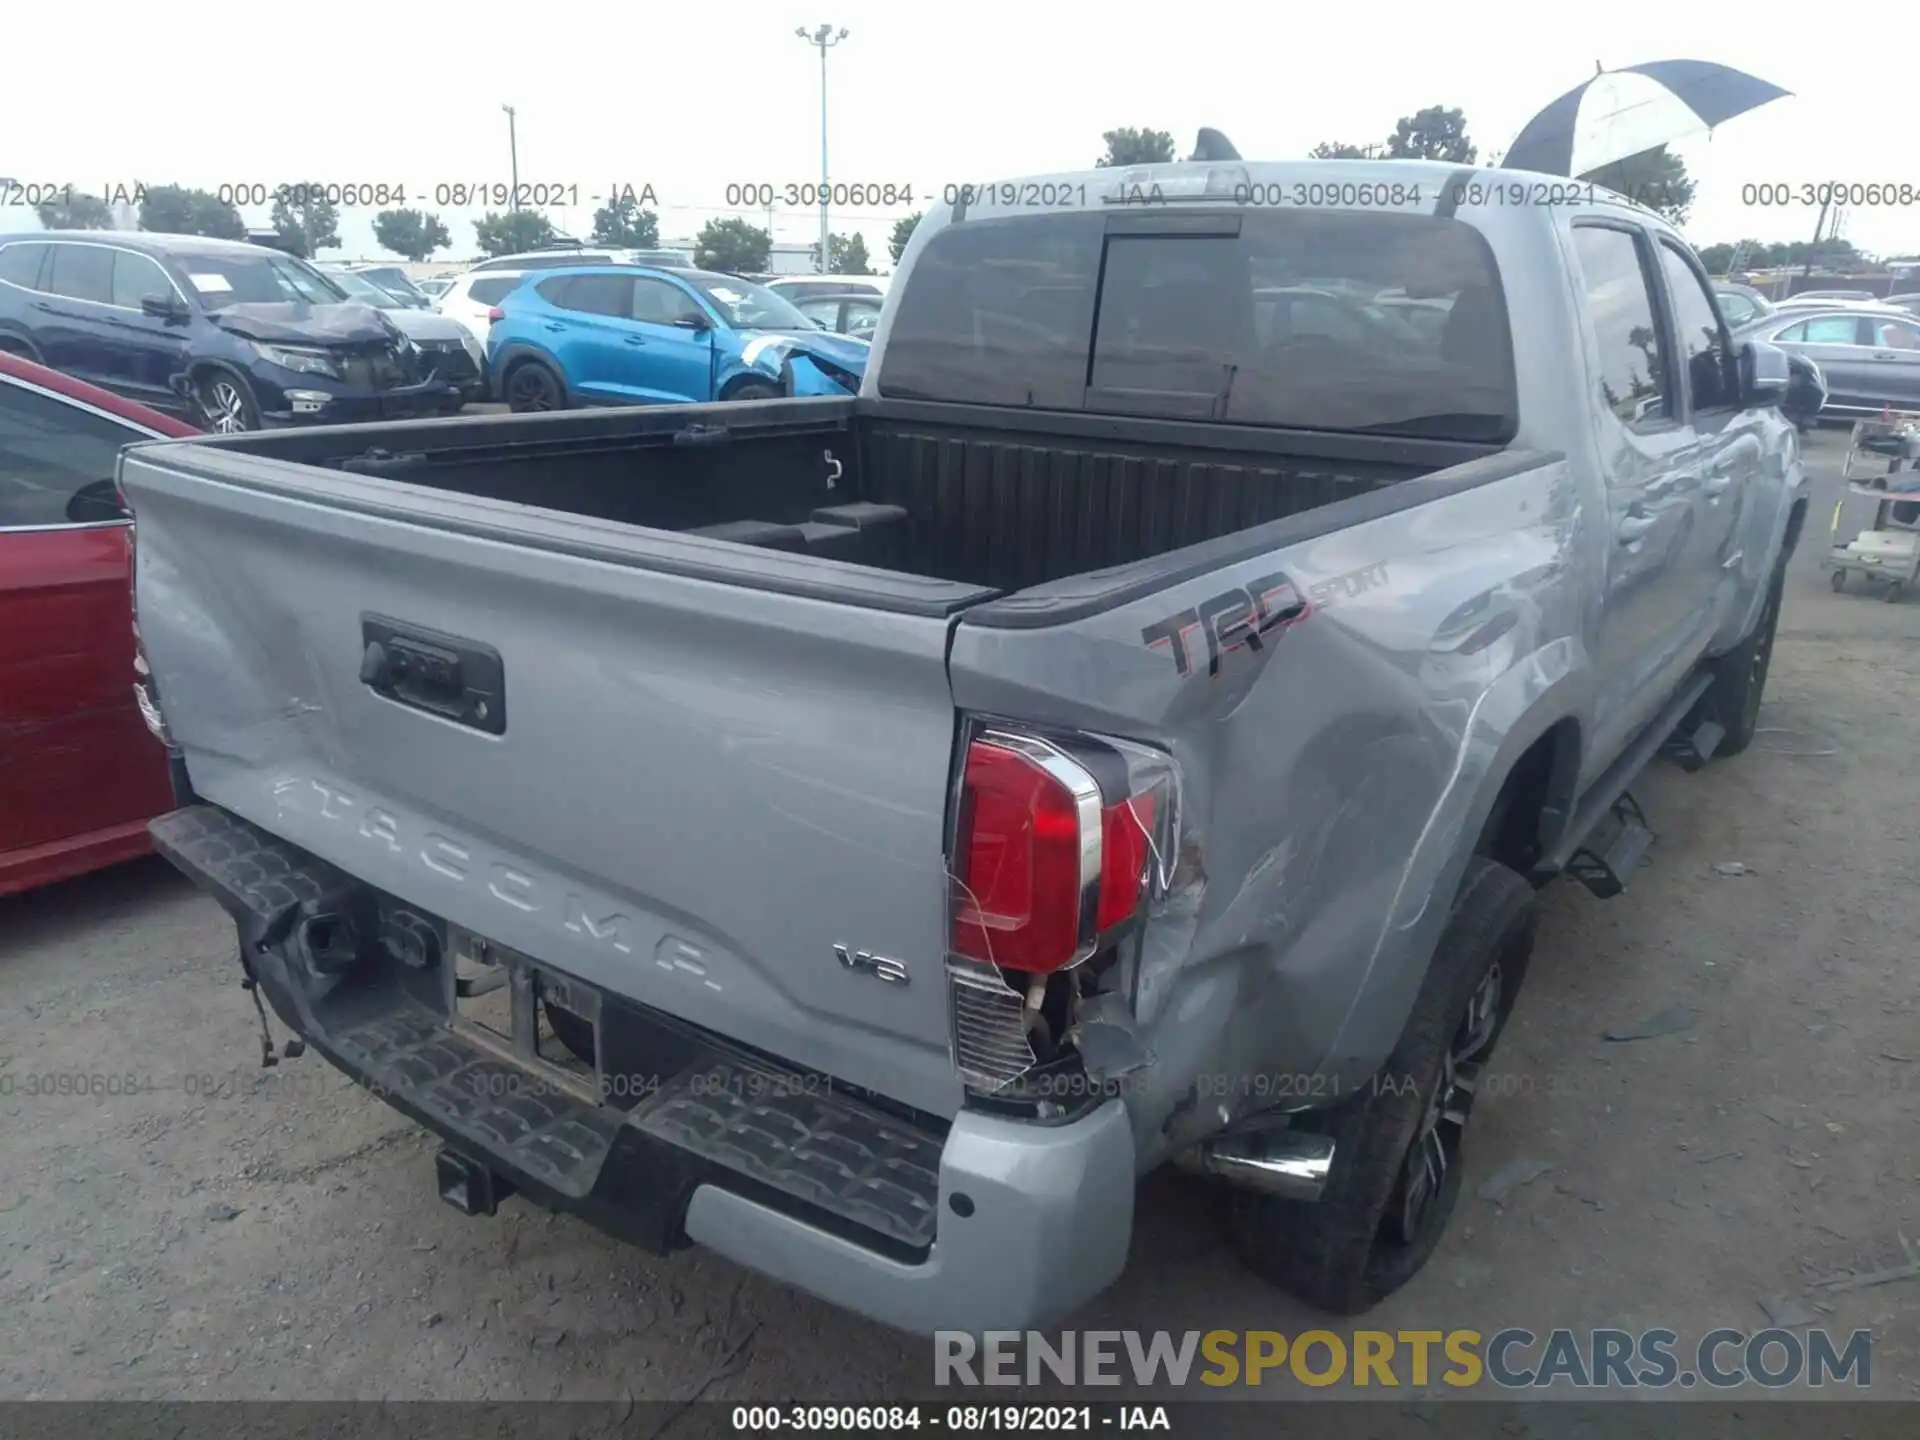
x: 716, y: 764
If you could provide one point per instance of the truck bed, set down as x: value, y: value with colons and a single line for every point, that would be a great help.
x: 981, y: 497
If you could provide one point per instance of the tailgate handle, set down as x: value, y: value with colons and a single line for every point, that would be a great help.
x: 458, y: 680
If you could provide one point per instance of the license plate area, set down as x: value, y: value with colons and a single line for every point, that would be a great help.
x: 525, y: 1011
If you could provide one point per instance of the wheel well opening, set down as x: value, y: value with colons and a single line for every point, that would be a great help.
x: 1534, y: 802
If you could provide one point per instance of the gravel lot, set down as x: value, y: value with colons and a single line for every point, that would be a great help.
x: 234, y: 1232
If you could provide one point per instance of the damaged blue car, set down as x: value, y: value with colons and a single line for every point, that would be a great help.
x: 626, y: 335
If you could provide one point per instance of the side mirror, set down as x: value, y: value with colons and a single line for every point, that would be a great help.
x: 693, y: 321
x: 96, y: 504
x: 163, y: 307
x: 1764, y: 375
x: 1806, y: 392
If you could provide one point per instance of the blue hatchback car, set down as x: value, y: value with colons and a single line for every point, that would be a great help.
x: 627, y: 335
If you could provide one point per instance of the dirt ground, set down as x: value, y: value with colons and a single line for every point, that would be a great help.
x: 226, y: 1231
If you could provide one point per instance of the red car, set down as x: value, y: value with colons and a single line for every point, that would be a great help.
x: 80, y: 776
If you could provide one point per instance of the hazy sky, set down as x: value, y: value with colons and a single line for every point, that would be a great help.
x: 689, y: 98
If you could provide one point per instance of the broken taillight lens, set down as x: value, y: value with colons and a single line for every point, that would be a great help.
x: 1059, y: 844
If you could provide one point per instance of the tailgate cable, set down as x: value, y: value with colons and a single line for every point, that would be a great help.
x: 295, y: 1048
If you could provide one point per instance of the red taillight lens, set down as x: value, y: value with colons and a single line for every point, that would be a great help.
x: 496, y: 313
x: 1124, y: 851
x: 1019, y: 860
x: 1049, y: 862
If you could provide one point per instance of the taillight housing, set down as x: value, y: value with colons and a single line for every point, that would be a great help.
x: 496, y: 313
x: 1060, y: 846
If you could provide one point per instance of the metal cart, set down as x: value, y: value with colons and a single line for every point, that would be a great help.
x: 1876, y: 523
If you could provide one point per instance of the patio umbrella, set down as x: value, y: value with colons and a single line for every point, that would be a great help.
x: 1623, y: 112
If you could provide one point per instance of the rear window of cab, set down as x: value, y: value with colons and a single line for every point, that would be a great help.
x: 1330, y: 320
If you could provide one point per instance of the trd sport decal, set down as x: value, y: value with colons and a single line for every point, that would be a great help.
x: 1246, y: 616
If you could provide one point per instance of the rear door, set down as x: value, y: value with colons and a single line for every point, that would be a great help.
x: 75, y: 333
x: 75, y: 758
x: 1896, y: 360
x: 585, y: 324
x: 1651, y: 623
x: 700, y: 786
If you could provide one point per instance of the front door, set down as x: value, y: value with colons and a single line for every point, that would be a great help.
x: 674, y: 348
x: 1729, y: 439
x: 144, y: 352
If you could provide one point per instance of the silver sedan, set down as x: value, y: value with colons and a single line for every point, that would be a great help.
x: 1869, y: 356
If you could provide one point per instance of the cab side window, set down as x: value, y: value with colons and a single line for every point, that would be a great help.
x: 1705, y: 350
x: 1632, y: 361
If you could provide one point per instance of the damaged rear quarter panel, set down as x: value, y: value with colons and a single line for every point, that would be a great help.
x: 1336, y: 770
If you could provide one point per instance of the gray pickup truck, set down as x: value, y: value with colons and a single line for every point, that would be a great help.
x: 862, y: 837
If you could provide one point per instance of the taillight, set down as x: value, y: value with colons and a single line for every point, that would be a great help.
x: 1058, y: 846
x: 496, y: 313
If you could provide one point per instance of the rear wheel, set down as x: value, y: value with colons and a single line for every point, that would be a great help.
x: 1398, y: 1141
x: 531, y: 386
x: 226, y: 403
x: 754, y: 390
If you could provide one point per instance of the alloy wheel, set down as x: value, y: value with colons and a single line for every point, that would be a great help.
x: 1436, y: 1147
x: 529, y: 391
x: 226, y: 408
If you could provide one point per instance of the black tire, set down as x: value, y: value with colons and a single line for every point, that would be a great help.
x: 12, y: 345
x: 1740, y: 676
x: 1384, y: 1209
x: 1893, y: 592
x: 572, y: 1031
x: 755, y: 390
x: 225, y: 403
x: 530, y: 386
x: 1839, y: 581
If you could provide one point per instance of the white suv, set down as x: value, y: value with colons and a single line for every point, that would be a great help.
x: 471, y: 297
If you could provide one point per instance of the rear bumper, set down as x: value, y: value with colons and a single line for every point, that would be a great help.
x: 987, y: 1223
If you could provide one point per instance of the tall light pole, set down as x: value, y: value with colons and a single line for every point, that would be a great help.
x: 513, y: 157
x: 824, y: 40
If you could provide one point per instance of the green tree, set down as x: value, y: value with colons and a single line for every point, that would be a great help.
x: 1340, y: 150
x: 306, y: 219
x: 732, y: 245
x: 1655, y: 178
x: 846, y: 255
x: 1136, y: 147
x: 1717, y: 258
x: 416, y: 234
x: 1435, y: 133
x: 76, y: 212
x: 902, y: 233
x: 176, y: 210
x: 622, y: 222
x: 512, y: 232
